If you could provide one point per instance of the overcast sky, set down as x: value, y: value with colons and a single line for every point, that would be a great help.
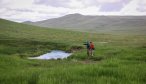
x: 36, y: 10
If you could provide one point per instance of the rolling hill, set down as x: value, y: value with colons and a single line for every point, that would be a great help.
x: 100, y: 24
x: 115, y: 56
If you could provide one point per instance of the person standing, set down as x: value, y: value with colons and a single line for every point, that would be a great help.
x: 91, y: 49
x: 88, y: 48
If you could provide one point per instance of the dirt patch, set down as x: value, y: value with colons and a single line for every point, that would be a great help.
x: 76, y: 48
x: 88, y: 62
x: 92, y: 60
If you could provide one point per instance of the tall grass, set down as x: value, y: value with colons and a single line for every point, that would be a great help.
x: 121, y: 60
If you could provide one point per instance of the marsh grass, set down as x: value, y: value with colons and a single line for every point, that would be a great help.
x: 122, y: 60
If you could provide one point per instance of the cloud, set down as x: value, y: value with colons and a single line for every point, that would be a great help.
x: 85, y: 11
x: 27, y: 10
x: 55, y: 3
x: 76, y: 4
x: 113, y: 5
x: 142, y: 6
x: 108, y: 1
x: 133, y: 8
x: 36, y: 10
x: 16, y: 3
x: 38, y: 13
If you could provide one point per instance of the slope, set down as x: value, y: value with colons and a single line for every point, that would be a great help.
x: 115, y: 57
x: 99, y: 24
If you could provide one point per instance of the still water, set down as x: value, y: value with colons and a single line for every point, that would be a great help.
x: 55, y: 54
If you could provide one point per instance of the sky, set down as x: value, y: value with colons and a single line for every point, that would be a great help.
x: 37, y: 10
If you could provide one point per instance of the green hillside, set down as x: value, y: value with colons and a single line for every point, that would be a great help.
x: 119, y: 59
x: 97, y: 24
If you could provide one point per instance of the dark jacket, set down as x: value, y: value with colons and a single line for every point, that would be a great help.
x: 87, y: 45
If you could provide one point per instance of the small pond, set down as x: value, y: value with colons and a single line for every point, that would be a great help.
x: 55, y: 54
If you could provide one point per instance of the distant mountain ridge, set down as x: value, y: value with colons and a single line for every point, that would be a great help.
x: 95, y: 23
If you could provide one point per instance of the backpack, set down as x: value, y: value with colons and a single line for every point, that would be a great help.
x: 92, y: 46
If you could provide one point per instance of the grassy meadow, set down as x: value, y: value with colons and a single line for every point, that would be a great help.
x: 118, y: 59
